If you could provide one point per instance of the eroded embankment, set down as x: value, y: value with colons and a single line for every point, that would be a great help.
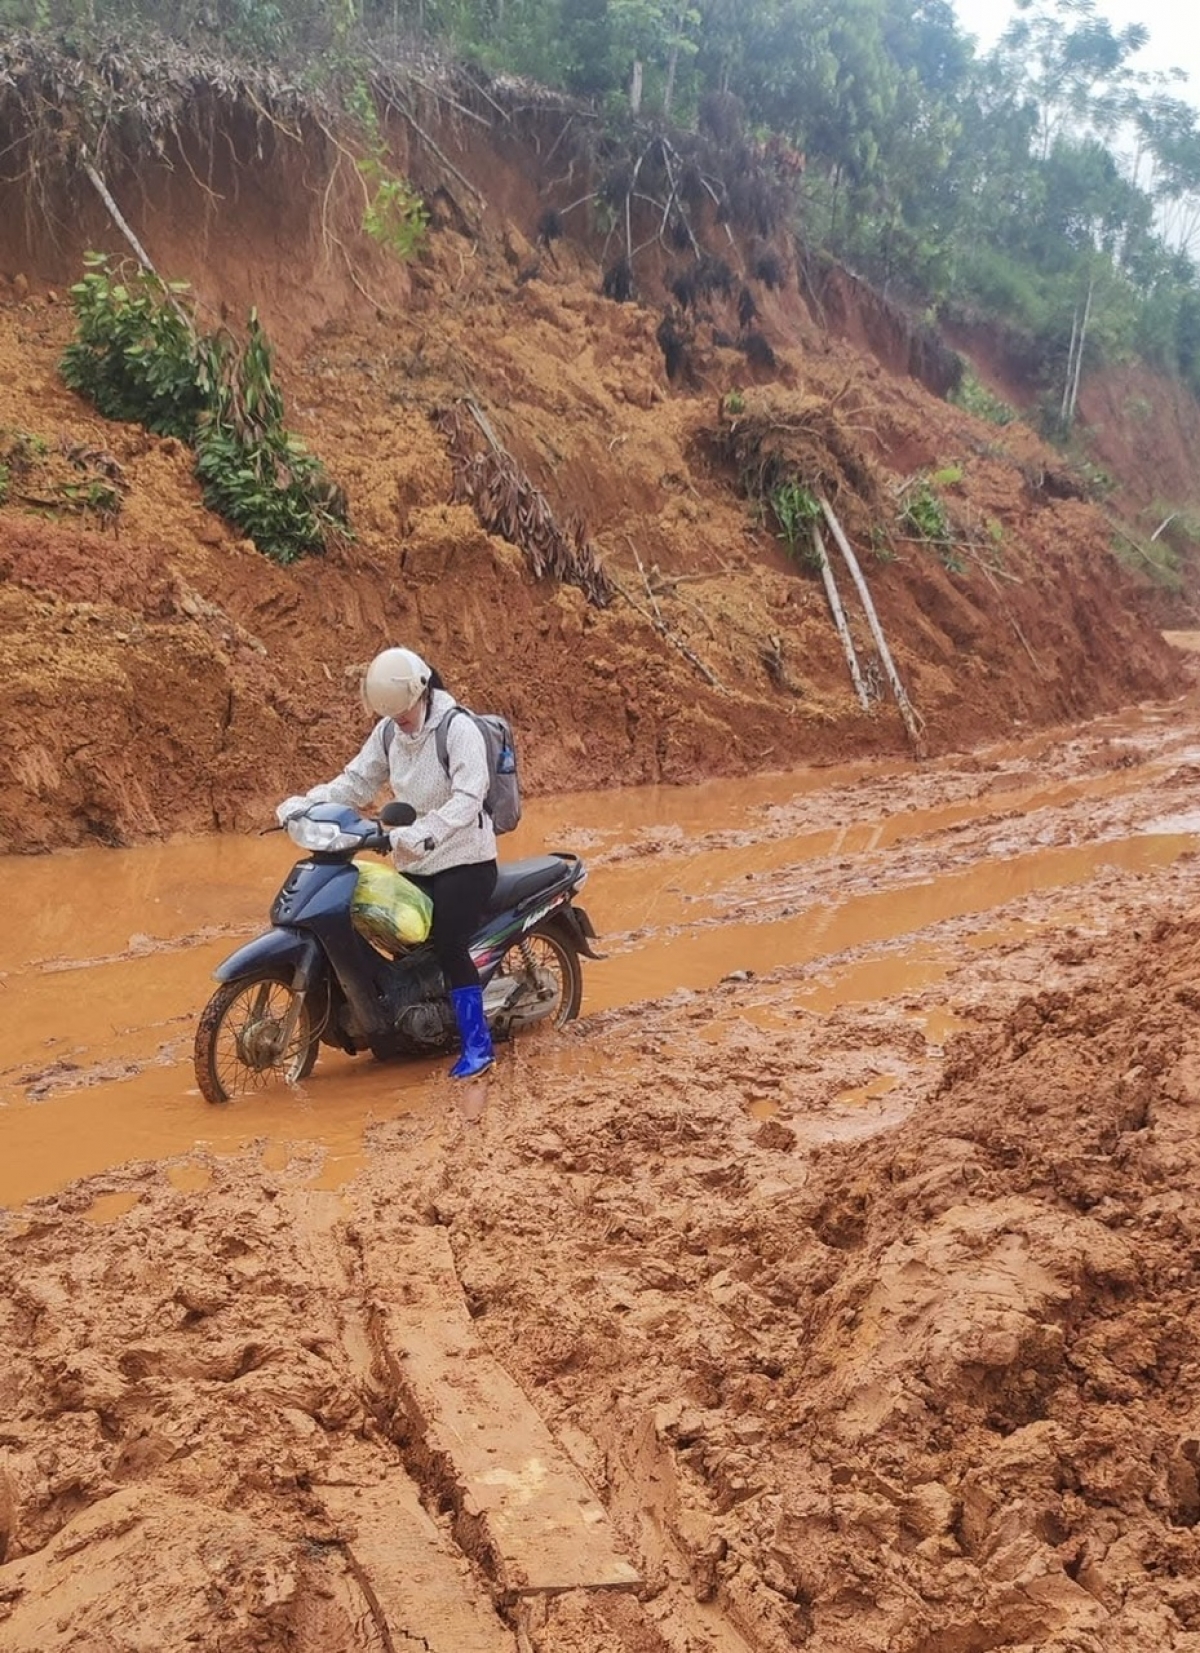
x: 157, y: 674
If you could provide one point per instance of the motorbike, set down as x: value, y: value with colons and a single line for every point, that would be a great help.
x: 315, y: 979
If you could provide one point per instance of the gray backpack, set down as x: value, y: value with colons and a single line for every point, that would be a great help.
x: 503, y: 800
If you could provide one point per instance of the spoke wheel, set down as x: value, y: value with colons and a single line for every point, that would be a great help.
x: 546, y: 967
x: 240, y: 1040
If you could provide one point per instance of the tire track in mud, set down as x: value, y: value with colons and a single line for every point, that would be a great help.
x: 468, y: 1443
x: 514, y: 1525
x: 416, y: 1589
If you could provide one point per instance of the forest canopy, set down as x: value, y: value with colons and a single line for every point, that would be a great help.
x: 1049, y: 184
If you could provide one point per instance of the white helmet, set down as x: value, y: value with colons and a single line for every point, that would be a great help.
x: 395, y: 681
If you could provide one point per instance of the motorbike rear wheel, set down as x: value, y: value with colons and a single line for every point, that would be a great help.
x: 239, y: 1046
x: 546, y: 964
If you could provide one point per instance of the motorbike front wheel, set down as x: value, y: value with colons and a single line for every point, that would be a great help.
x: 544, y: 979
x: 242, y: 1043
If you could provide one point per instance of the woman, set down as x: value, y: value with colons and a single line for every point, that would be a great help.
x: 450, y: 849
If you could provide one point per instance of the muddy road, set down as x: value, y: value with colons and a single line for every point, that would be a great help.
x: 831, y: 1284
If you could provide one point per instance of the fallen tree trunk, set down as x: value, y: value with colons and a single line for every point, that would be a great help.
x: 115, y: 213
x: 912, y: 721
x: 839, y: 616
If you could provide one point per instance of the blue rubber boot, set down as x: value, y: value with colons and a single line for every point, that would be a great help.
x: 477, y: 1053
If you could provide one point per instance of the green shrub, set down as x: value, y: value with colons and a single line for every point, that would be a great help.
x: 925, y: 517
x: 974, y: 397
x: 395, y: 214
x: 138, y: 356
x: 254, y: 471
x: 795, y: 508
x: 1003, y: 286
x: 924, y: 514
x: 135, y: 354
x: 1155, y: 559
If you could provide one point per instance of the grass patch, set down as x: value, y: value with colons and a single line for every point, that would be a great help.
x: 974, y: 397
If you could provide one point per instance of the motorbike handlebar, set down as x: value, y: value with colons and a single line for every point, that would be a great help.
x: 392, y: 815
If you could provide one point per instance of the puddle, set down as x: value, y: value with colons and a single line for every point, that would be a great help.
x: 999, y: 935
x: 158, y: 1114
x: 940, y: 1025
x: 338, y: 1171
x: 101, y: 996
x: 702, y: 956
x: 879, y: 1086
x: 663, y: 890
x: 870, y: 980
x: 190, y: 1179
x: 107, y: 1208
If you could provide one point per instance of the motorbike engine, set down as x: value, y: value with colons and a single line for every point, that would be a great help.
x: 419, y: 1012
x: 428, y: 1026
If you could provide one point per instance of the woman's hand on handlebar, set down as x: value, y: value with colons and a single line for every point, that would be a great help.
x: 291, y: 807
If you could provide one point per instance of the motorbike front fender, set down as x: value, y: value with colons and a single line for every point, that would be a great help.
x: 275, y: 950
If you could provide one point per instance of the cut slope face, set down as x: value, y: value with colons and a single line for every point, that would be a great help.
x: 159, y: 674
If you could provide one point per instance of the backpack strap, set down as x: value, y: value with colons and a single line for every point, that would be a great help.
x: 442, y: 736
x: 441, y: 739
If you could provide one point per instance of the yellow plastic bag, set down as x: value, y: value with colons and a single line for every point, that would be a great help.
x: 389, y: 909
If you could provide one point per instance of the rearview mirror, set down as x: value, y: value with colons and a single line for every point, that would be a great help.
x: 397, y: 814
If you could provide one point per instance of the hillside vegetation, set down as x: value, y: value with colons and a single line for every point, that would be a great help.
x: 578, y: 450
x: 1052, y: 183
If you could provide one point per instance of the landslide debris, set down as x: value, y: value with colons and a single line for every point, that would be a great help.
x: 926, y: 1385
x: 209, y: 683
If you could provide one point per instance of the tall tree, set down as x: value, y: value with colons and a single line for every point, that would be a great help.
x: 1074, y: 66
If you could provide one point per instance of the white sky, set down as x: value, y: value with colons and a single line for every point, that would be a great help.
x: 1174, y: 35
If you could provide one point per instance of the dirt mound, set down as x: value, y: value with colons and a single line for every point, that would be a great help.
x: 934, y: 1391
x: 773, y: 437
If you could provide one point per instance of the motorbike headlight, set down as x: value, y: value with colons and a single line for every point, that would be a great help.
x: 326, y: 837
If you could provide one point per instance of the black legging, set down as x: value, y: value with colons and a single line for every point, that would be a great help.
x: 459, y: 896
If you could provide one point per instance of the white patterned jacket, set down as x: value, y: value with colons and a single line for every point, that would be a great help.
x: 452, y: 828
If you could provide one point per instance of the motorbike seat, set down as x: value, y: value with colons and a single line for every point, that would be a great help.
x: 518, y: 880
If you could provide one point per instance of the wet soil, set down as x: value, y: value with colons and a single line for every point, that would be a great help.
x: 830, y: 1284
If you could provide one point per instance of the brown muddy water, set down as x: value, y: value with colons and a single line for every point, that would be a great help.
x: 833, y: 882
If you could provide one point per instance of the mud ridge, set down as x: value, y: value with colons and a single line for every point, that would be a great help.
x: 848, y: 1305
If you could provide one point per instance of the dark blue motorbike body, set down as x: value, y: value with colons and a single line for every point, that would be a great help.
x: 361, y: 997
